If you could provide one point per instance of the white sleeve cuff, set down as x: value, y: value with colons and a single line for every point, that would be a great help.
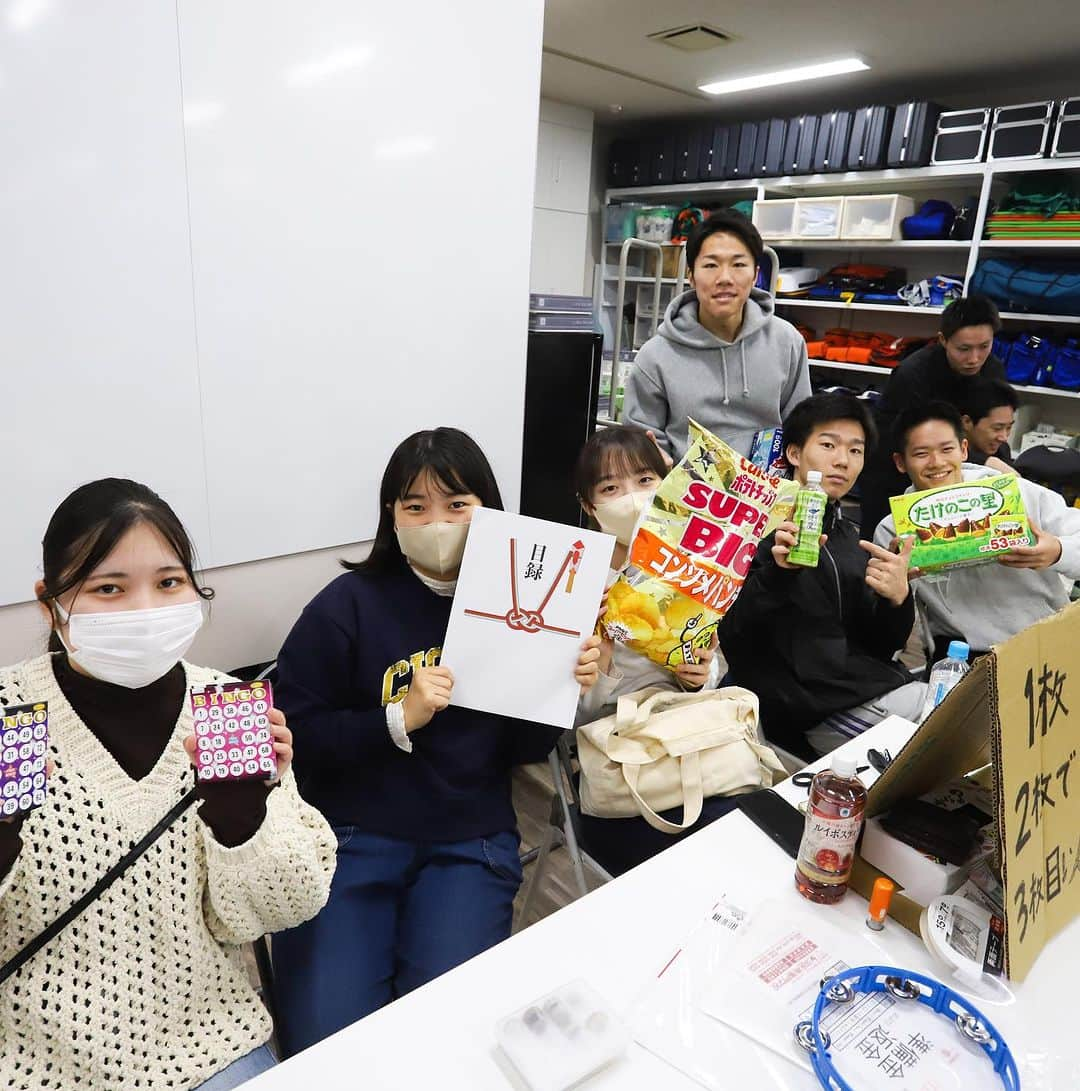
x: 395, y: 722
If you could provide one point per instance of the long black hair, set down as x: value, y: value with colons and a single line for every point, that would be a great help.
x: 455, y: 464
x: 89, y: 522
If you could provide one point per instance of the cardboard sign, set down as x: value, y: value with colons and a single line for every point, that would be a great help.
x: 527, y: 597
x: 1019, y: 706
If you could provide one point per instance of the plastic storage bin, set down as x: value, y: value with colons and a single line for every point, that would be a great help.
x: 621, y: 222
x: 875, y: 216
x: 818, y: 217
x: 655, y: 224
x: 775, y: 219
x: 670, y: 266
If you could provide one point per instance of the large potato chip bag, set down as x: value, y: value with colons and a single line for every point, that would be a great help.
x: 692, y: 550
x: 959, y: 525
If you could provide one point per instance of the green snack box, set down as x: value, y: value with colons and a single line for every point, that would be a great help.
x: 959, y: 525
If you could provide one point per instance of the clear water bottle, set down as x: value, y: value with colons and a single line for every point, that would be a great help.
x: 945, y: 674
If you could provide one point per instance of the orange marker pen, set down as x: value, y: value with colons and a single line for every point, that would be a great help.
x: 879, y: 903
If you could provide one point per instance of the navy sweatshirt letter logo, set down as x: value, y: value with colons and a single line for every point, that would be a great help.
x: 397, y: 678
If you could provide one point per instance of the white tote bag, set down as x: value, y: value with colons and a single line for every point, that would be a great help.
x: 663, y: 749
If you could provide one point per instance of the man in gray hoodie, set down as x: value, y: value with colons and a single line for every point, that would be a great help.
x: 721, y: 355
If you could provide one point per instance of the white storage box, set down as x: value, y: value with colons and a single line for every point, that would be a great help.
x: 875, y: 216
x: 793, y: 278
x: 922, y: 877
x: 818, y: 217
x: 1045, y: 437
x: 775, y: 219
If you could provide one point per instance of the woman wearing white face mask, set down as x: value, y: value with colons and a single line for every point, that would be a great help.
x: 151, y: 993
x: 417, y: 790
x: 616, y: 475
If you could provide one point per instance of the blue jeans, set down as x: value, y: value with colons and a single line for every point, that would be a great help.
x: 399, y: 914
x: 240, y: 1071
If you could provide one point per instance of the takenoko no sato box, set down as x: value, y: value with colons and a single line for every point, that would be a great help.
x: 959, y: 525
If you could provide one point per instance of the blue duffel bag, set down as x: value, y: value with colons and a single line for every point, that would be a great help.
x: 1040, y: 287
x: 1065, y: 373
x: 1029, y: 360
x: 934, y: 220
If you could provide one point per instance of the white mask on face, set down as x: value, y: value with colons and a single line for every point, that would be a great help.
x: 435, y: 547
x: 619, y: 516
x: 132, y: 648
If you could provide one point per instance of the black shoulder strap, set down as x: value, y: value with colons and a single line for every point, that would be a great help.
x: 14, y: 964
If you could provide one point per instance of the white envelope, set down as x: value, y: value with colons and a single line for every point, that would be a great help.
x: 527, y: 598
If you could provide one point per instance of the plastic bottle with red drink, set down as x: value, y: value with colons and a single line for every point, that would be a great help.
x: 834, y: 819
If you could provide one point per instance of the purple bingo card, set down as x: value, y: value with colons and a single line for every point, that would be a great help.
x: 24, y: 747
x: 233, y: 740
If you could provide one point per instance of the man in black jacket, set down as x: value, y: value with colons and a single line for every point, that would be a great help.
x: 942, y: 371
x: 817, y: 644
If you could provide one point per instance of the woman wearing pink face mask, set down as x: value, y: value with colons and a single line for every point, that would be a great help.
x: 144, y: 987
x: 616, y: 475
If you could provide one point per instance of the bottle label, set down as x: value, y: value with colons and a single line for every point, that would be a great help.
x: 810, y: 511
x: 809, y: 516
x: 828, y: 846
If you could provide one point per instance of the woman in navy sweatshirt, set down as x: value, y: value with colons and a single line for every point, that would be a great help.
x: 417, y: 791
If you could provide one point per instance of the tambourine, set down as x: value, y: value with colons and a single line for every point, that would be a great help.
x: 842, y: 988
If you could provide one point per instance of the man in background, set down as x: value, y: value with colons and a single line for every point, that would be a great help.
x: 942, y: 371
x: 988, y: 410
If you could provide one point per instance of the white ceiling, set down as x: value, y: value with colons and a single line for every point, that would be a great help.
x: 597, y: 53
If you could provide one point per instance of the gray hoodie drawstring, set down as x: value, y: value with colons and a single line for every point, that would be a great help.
x: 723, y: 371
x: 742, y: 355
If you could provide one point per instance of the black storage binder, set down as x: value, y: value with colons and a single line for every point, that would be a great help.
x: 911, y: 137
x: 839, y: 139
x: 820, y: 160
x: 688, y: 153
x: 770, y: 149
x: 624, y: 163
x: 830, y: 148
x: 799, y: 144
x: 961, y: 136
x: 1021, y: 132
x: 1067, y: 130
x: 870, y: 127
x: 715, y: 152
x: 660, y: 160
x: 744, y: 160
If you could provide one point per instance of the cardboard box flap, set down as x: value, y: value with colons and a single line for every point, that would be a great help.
x: 953, y: 740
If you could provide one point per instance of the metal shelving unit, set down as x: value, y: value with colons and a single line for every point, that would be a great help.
x: 975, y: 177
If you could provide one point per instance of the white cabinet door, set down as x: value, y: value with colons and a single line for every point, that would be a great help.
x: 558, y: 252
x: 563, y: 168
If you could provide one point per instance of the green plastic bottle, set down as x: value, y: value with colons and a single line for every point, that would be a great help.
x: 809, y: 517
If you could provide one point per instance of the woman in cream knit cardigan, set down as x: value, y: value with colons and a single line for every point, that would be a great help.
x: 147, y: 987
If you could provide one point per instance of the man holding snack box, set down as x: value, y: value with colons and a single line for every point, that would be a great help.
x: 996, y: 552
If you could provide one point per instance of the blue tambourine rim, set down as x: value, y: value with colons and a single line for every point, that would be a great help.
x: 936, y: 996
